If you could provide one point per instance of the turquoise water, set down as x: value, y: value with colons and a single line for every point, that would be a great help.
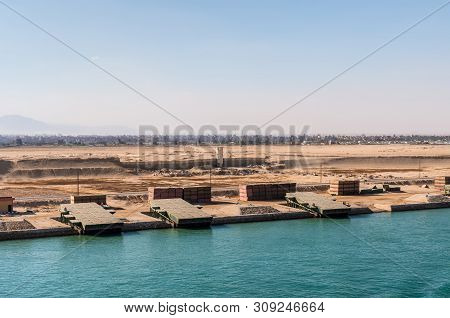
x: 381, y: 255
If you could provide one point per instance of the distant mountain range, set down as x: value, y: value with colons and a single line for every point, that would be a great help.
x: 20, y: 125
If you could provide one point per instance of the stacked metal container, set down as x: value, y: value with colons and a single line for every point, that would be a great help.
x: 197, y: 194
x: 164, y: 193
x: 441, y: 182
x: 344, y: 187
x: 265, y: 191
x: 99, y: 199
x: 189, y: 194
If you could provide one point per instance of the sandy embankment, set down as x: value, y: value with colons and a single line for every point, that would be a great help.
x: 31, y: 171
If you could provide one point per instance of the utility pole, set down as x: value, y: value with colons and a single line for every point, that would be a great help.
x: 210, y: 176
x: 321, y: 173
x: 78, y: 182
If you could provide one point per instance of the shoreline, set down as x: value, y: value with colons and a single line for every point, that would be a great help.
x: 218, y: 220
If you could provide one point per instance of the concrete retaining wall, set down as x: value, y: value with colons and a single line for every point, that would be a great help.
x: 35, y: 233
x: 260, y: 217
x: 419, y: 206
x: 139, y: 226
x: 356, y: 211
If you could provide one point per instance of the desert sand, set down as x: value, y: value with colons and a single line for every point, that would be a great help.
x: 42, y: 177
x: 49, y: 171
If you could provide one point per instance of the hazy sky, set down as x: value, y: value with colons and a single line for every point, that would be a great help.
x: 229, y: 62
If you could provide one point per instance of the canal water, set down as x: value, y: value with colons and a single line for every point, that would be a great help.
x: 381, y: 255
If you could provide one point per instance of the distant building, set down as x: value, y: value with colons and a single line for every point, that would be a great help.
x: 6, y: 204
